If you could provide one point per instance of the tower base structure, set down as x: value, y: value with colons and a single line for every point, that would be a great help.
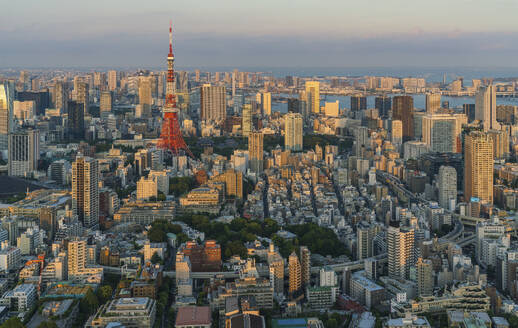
x: 171, y: 137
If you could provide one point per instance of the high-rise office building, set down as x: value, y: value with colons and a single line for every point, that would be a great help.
x: 305, y: 265
x: 106, y: 102
x: 358, y: 102
x: 75, y: 121
x: 469, y: 110
x: 313, y: 96
x: 246, y: 120
x: 403, y: 110
x: 295, y: 275
x: 500, y: 143
x: 6, y: 113
x: 361, y: 140
x: 266, y: 103
x: 213, y: 103
x: 439, y: 132
x: 365, y: 233
x: 425, y: 281
x: 433, y: 102
x: 485, y: 108
x: 447, y: 184
x: 145, y: 95
x: 397, y: 132
x: 293, y: 132
x: 61, y: 96
x: 85, y: 190
x: 83, y: 95
x: 255, y: 151
x: 478, y: 167
x: 112, y: 80
x: 400, y: 245
x: 25, y: 80
x: 384, y: 105
x: 24, y: 152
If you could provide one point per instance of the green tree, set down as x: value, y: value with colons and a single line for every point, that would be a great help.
x: 12, y: 322
x: 156, y: 258
x: 104, y: 294
x: 48, y: 324
x: 89, y: 303
x: 161, y: 196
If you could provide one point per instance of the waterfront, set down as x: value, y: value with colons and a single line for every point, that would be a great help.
x: 419, y: 101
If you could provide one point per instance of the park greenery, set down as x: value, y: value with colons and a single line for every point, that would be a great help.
x: 222, y: 146
x: 159, y: 229
x: 89, y: 304
x: 181, y: 185
x: 232, y: 236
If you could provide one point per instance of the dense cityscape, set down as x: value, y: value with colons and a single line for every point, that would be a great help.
x: 172, y: 198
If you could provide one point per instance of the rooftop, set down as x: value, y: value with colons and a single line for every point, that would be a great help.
x: 193, y: 316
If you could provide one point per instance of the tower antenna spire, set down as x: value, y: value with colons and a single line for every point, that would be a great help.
x: 170, y: 37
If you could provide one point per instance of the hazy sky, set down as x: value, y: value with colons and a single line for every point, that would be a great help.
x: 247, y: 33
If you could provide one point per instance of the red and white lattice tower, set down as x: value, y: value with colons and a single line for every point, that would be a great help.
x: 171, y: 136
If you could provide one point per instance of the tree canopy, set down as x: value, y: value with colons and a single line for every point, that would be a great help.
x: 13, y: 322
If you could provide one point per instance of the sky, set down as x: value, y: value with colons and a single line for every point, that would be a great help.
x: 261, y: 33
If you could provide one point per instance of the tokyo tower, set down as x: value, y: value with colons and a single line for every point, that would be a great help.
x: 171, y: 137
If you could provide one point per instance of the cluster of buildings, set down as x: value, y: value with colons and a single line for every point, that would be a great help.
x: 421, y: 200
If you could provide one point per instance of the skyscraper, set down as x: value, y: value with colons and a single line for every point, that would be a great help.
x: 313, y: 96
x: 106, y: 101
x: 400, y: 244
x: 24, y: 152
x: 397, y: 132
x: 75, y: 121
x: 255, y: 151
x: 246, y: 120
x: 213, y: 103
x: 293, y: 131
x: 6, y: 113
x: 295, y: 278
x: 433, y: 102
x: 85, y: 190
x: 82, y: 95
x: 478, y: 167
x: 439, y: 132
x: 383, y: 104
x: 145, y: 96
x: 61, y: 96
x: 485, y: 107
x: 358, y: 102
x: 447, y: 183
x: 425, y: 281
x: 266, y: 102
x: 500, y: 143
x: 305, y: 265
x: 469, y: 110
x: 112, y: 80
x: 403, y: 110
